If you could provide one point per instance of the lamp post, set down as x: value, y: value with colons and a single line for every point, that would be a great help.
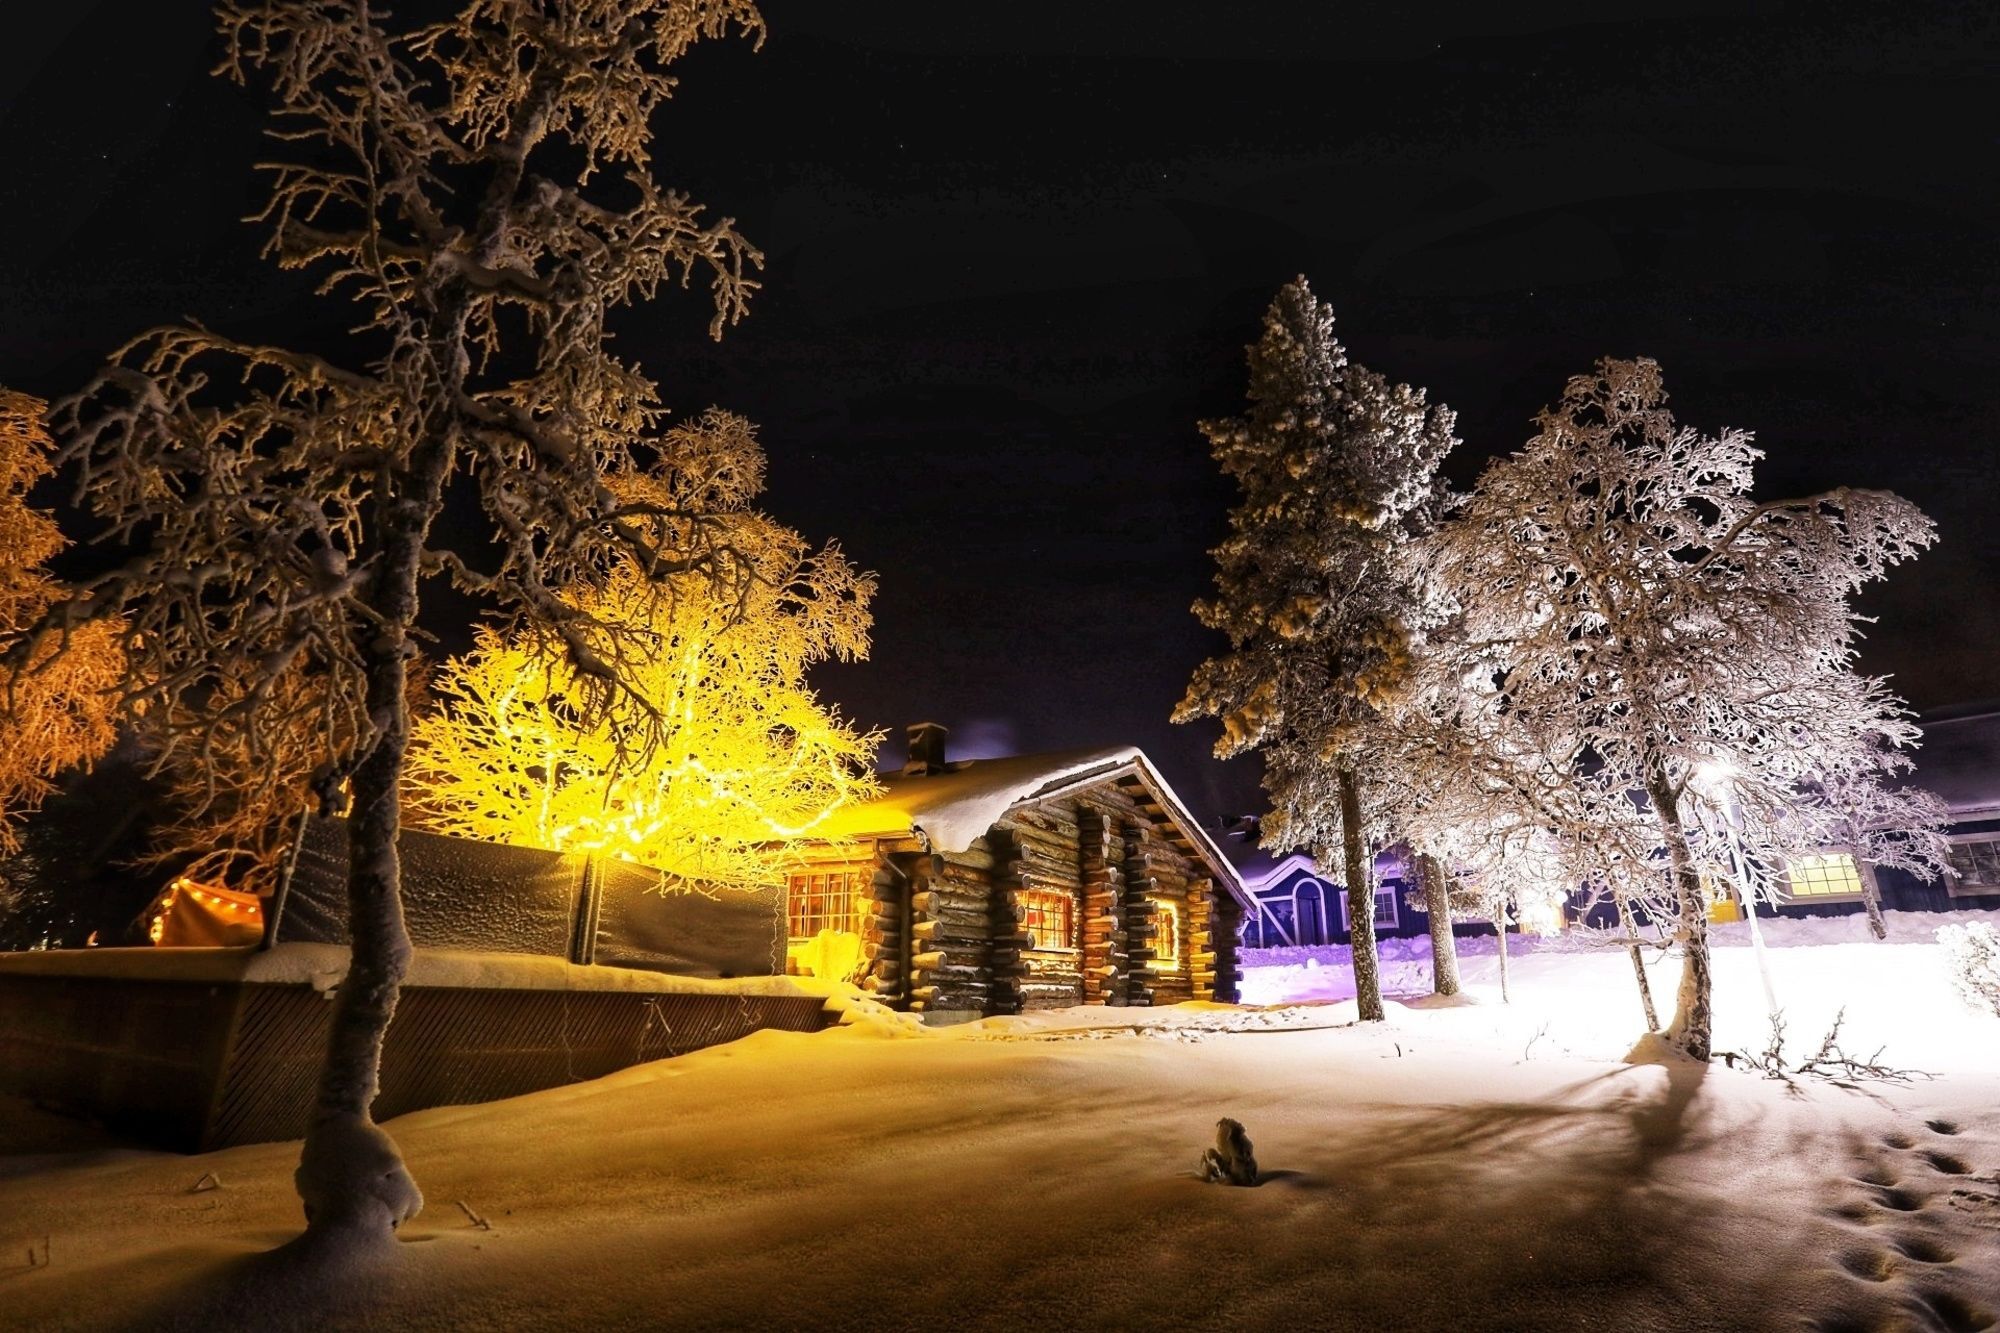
x: 1719, y: 777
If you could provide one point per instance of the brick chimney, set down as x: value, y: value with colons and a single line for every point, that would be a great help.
x: 926, y: 748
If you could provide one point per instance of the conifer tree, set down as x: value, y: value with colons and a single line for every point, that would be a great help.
x: 1316, y: 587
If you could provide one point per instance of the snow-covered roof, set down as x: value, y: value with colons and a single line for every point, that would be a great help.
x: 954, y: 808
x: 1272, y: 870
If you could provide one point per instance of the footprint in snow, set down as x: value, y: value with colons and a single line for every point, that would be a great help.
x: 1946, y: 1127
x: 1946, y: 1164
x: 1902, y: 1200
x: 1877, y: 1174
x: 1954, y: 1313
x: 1869, y: 1265
x: 1922, y: 1249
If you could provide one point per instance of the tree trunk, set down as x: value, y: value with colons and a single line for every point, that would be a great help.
x: 1360, y: 903
x: 1871, y: 899
x: 1638, y: 961
x: 351, y: 1177
x: 1500, y: 929
x: 1693, y: 1027
x: 1437, y: 905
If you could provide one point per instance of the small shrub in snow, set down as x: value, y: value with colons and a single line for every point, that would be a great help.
x: 1230, y: 1161
x: 1972, y: 960
x: 1829, y: 1062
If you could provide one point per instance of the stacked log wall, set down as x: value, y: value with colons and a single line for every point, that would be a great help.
x: 1105, y: 960
x: 885, y: 926
x: 1156, y: 868
x: 1007, y: 915
x: 1171, y: 979
x: 1225, y: 933
x: 1141, y: 928
x: 1047, y: 843
x: 951, y: 926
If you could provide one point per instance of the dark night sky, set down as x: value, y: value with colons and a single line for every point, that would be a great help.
x: 1016, y: 248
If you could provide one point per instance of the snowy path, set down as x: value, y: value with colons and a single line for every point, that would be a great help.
x: 1461, y: 1167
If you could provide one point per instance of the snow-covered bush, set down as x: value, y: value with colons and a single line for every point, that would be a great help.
x: 1972, y: 956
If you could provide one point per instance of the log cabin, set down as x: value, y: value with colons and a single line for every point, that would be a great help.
x: 992, y: 886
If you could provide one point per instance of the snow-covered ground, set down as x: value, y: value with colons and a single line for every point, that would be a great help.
x: 1461, y: 1166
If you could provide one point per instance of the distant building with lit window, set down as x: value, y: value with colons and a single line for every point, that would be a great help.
x: 1960, y: 762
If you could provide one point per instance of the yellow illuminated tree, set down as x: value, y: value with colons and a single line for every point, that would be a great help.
x: 717, y: 753
x: 59, y: 710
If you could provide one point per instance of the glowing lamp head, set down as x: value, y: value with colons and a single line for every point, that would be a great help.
x: 1714, y: 774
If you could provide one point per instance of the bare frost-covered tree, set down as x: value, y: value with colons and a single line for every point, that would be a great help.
x: 1497, y: 804
x: 1490, y: 812
x: 482, y: 189
x: 1336, y: 468
x: 1637, y: 599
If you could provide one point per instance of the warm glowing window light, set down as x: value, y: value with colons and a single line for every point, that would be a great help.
x: 1051, y: 919
x: 1166, y: 935
x: 1833, y: 875
x: 825, y: 898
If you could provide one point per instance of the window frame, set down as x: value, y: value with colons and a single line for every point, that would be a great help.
x: 1956, y: 886
x: 1073, y: 919
x: 1166, y: 909
x: 856, y: 876
x: 1858, y: 894
x: 1382, y: 892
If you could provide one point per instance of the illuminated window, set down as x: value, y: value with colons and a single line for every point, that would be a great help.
x: 1831, y: 876
x: 1166, y: 936
x: 1720, y: 895
x: 826, y: 898
x: 1974, y: 863
x: 1051, y: 919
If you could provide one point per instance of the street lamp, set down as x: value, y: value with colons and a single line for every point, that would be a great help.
x: 1718, y: 777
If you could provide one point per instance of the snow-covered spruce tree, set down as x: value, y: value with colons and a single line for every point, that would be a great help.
x: 1642, y: 602
x: 482, y: 189
x: 59, y: 710
x: 1336, y: 469
x: 739, y: 756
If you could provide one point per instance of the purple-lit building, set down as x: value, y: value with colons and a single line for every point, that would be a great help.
x: 1299, y: 903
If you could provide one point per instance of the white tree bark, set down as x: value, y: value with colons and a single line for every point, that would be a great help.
x: 1632, y: 947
